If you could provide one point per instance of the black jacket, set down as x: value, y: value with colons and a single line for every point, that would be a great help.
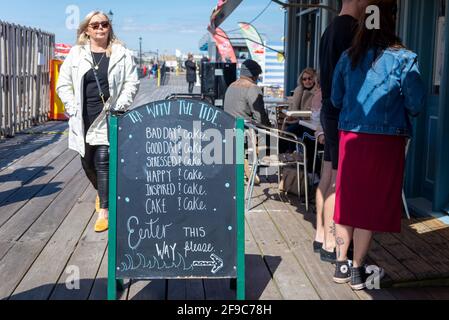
x: 191, y: 71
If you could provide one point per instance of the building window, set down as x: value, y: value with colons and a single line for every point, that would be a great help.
x: 439, y: 45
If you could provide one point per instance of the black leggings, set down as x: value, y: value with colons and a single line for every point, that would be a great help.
x: 191, y: 87
x: 96, y: 165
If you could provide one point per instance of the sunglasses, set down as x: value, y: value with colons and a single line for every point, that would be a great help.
x: 96, y: 25
x: 307, y: 79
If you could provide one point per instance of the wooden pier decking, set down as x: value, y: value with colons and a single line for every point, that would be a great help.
x: 46, y: 237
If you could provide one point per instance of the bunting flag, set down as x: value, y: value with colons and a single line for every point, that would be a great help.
x: 254, y: 42
x: 222, y: 10
x: 224, y: 46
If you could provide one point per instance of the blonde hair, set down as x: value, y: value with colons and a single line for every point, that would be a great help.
x: 310, y: 71
x: 83, y: 38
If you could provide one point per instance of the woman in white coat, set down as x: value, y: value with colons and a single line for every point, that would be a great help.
x: 99, y: 75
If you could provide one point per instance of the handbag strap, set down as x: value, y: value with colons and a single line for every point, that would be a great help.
x: 100, y: 91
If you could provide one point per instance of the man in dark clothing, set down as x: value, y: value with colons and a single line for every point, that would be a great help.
x: 336, y: 39
x: 191, y: 72
x: 244, y: 99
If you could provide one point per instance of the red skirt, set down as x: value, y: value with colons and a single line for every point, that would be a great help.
x: 370, y: 181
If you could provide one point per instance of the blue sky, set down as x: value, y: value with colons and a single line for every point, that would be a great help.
x: 165, y: 25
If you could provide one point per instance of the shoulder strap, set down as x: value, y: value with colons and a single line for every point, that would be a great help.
x: 100, y: 91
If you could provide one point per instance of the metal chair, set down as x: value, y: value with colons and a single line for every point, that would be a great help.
x: 300, y: 161
x: 316, y: 153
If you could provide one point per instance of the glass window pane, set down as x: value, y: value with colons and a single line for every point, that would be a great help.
x: 439, y: 44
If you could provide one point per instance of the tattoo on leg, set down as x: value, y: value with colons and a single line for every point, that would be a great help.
x: 340, y: 242
x: 333, y: 230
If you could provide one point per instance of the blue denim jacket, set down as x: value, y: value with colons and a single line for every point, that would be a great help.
x: 378, y: 97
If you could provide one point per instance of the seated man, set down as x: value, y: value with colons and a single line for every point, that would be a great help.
x: 244, y: 99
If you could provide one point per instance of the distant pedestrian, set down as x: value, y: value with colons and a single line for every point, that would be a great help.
x: 85, y: 88
x: 191, y: 72
x: 155, y: 69
x: 378, y: 86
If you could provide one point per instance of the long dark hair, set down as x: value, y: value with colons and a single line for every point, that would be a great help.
x: 378, y: 39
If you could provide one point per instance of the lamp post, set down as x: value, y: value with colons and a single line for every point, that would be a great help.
x: 140, y: 55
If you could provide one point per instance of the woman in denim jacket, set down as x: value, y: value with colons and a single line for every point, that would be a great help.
x: 378, y: 87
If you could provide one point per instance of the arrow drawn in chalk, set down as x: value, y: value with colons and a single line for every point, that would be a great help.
x: 216, y: 263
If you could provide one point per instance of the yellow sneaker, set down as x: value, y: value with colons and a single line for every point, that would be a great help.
x: 101, y: 225
x: 97, y: 204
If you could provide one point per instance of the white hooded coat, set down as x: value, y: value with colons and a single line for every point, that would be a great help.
x: 123, y: 87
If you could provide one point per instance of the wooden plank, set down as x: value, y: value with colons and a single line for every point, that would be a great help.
x: 437, y: 227
x: 419, y: 267
x: 434, y: 255
x: 40, y: 156
x: 100, y: 287
x: 45, y: 199
x: 306, y: 219
x: 29, y: 158
x: 177, y: 289
x: 86, y: 258
x: 4, y: 247
x: 148, y: 290
x: 12, y: 150
x: 39, y: 234
x: 185, y: 290
x: 259, y: 283
x: 195, y: 290
x: 15, y: 264
x: 290, y: 277
x: 393, y: 268
x: 219, y: 289
x: 53, y: 259
x: 319, y: 273
x: 49, y: 221
x: 20, y: 223
x: 38, y: 189
x: 49, y: 142
x: 29, y: 168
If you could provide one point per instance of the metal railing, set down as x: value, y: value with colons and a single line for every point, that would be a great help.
x: 25, y: 55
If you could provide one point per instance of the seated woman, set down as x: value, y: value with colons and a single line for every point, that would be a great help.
x: 304, y: 92
x: 307, y: 97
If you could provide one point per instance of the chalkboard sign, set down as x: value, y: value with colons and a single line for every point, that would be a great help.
x: 175, y: 192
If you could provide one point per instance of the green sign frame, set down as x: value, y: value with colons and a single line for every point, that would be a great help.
x: 113, y: 283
